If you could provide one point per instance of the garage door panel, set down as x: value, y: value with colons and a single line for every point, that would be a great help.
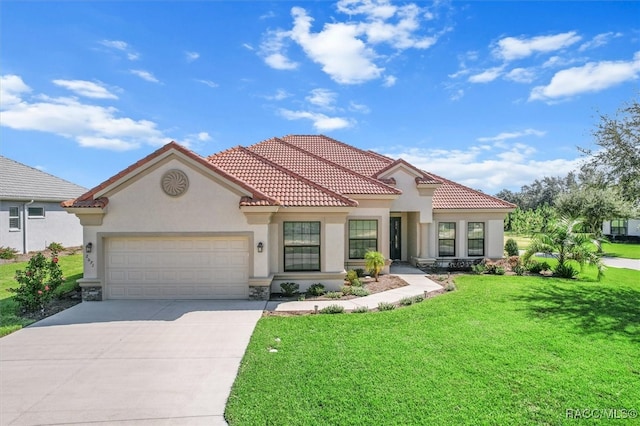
x: 168, y: 268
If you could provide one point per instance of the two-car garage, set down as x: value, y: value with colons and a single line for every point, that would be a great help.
x: 176, y: 267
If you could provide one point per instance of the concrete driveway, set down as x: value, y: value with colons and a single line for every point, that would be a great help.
x: 126, y: 362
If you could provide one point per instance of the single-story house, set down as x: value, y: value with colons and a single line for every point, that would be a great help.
x: 31, y: 217
x: 300, y: 208
x: 622, y: 229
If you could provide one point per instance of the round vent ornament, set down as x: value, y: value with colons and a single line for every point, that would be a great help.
x: 175, y: 183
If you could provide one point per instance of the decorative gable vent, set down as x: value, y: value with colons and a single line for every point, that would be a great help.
x: 174, y: 183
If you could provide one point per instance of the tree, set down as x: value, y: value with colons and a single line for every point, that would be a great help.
x: 374, y: 262
x: 618, y: 152
x: 594, y: 205
x: 563, y: 241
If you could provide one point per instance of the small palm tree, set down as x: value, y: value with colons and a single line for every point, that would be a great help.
x: 374, y: 262
x: 562, y: 241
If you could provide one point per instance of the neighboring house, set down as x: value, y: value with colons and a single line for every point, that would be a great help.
x: 622, y: 229
x: 31, y: 217
x: 294, y: 209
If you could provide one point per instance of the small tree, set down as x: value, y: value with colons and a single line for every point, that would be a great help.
x: 37, y: 282
x: 374, y: 262
x: 511, y: 247
x: 562, y: 241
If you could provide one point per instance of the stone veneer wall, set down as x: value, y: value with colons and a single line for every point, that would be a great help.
x: 259, y: 292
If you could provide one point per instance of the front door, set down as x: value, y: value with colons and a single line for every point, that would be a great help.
x: 395, y: 251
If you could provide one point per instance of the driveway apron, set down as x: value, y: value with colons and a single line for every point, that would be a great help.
x: 126, y: 362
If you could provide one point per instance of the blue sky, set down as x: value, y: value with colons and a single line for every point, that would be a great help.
x: 490, y: 94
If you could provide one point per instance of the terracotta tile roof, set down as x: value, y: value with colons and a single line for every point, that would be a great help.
x: 452, y: 195
x: 319, y: 170
x: 283, y: 185
x: 366, y: 163
x: 424, y: 178
x: 88, y: 198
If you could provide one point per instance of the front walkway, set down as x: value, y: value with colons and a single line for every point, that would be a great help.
x: 417, y: 281
x: 619, y: 262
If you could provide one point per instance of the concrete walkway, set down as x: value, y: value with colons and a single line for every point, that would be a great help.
x: 619, y: 262
x: 416, y: 279
x: 126, y: 362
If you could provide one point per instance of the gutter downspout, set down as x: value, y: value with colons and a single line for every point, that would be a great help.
x: 24, y: 226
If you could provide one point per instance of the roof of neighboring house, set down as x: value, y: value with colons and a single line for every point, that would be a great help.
x: 311, y: 171
x: 21, y: 182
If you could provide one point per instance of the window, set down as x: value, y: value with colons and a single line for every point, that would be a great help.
x: 446, y: 239
x: 618, y: 227
x: 14, y: 218
x: 475, y: 236
x: 363, y: 237
x: 301, y: 246
x: 35, y: 212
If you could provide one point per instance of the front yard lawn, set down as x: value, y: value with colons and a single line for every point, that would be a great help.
x: 10, y: 318
x: 629, y: 251
x: 503, y: 350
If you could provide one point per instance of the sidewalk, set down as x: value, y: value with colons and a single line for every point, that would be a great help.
x: 416, y: 279
x: 619, y: 262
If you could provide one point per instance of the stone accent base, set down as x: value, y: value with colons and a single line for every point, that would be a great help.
x: 92, y: 294
x: 259, y: 292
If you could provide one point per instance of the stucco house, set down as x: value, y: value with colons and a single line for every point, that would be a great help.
x: 293, y: 209
x: 31, y: 217
x: 622, y: 229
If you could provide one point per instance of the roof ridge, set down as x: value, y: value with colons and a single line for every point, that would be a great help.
x: 299, y: 177
x: 42, y: 171
x: 344, y: 144
x: 505, y: 203
x: 339, y: 166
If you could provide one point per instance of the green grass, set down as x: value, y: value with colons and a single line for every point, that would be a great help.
x: 629, y: 251
x: 522, y: 240
x: 501, y: 350
x: 10, y: 319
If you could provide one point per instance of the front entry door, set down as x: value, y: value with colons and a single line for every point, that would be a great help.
x: 395, y: 251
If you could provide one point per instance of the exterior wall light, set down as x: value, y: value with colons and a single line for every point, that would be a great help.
x: 260, y: 247
x: 88, y: 247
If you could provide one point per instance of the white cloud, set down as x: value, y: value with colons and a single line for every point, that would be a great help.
x: 11, y: 90
x: 278, y: 96
x: 486, y: 76
x: 204, y: 136
x: 512, y: 135
x: 512, y: 48
x: 321, y: 122
x: 346, y: 50
x: 121, y: 46
x: 591, y: 77
x: 86, y: 88
x: 598, y: 41
x: 191, y: 56
x: 361, y: 108
x: 521, y: 75
x: 247, y: 46
x: 209, y: 83
x: 323, y: 98
x: 488, y: 168
x: 389, y: 81
x: 89, y: 125
x: 145, y: 75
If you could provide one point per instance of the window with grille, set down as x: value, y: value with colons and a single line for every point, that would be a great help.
x: 475, y: 238
x: 363, y: 237
x: 618, y: 227
x: 301, y: 246
x: 447, y: 239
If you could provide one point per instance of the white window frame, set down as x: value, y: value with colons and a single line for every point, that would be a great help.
x: 35, y: 216
x: 14, y: 218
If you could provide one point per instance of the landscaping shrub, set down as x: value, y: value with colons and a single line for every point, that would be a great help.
x: 511, y: 247
x: 385, y: 306
x: 519, y: 269
x: 406, y: 301
x: 57, y: 247
x: 536, y: 267
x: 374, y: 262
x: 37, y: 282
x: 289, y: 289
x: 450, y: 287
x: 334, y: 294
x: 499, y: 270
x: 359, y: 291
x: 352, y: 277
x: 316, y: 289
x: 360, y: 310
x: 7, y: 252
x: 417, y: 299
x: 360, y: 272
x: 478, y: 268
x: 565, y: 271
x: 346, y: 290
x: 332, y: 309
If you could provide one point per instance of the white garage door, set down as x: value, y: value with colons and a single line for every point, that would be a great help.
x: 177, y: 268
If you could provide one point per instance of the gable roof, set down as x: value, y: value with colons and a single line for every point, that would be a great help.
x: 309, y: 171
x: 21, y: 182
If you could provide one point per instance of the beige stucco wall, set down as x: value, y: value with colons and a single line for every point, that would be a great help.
x: 411, y: 200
